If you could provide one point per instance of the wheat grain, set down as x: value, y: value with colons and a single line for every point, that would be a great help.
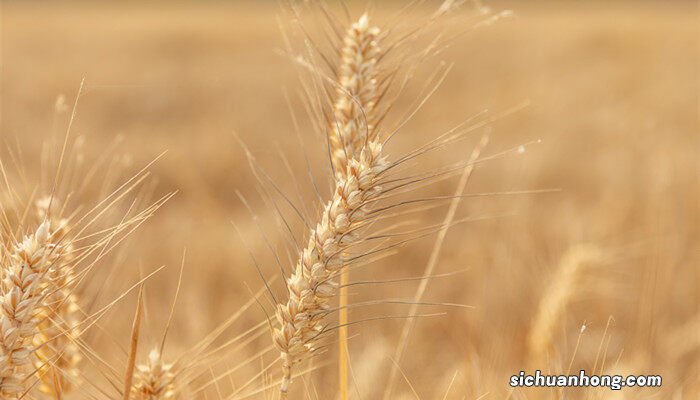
x: 57, y: 353
x: 357, y: 94
x: 25, y: 276
x: 154, y: 380
x: 311, y: 286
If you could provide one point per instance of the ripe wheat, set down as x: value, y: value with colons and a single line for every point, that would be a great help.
x: 556, y: 298
x: 154, y: 380
x: 311, y: 287
x: 57, y: 354
x: 25, y: 277
x: 357, y: 94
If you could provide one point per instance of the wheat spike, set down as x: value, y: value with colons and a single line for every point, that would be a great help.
x: 311, y: 287
x: 57, y: 353
x: 357, y: 94
x: 25, y: 277
x: 557, y: 296
x: 155, y: 379
x: 684, y: 339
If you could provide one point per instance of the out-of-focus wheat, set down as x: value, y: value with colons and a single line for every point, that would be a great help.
x: 312, y: 284
x: 684, y: 339
x: 557, y: 296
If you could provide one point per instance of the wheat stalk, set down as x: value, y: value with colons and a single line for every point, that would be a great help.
x: 311, y: 287
x: 133, y: 347
x: 25, y: 277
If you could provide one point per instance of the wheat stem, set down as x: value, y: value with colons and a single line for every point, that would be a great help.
x: 343, y: 334
x: 133, y: 347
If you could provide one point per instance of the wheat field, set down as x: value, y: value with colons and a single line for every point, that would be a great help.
x: 197, y: 162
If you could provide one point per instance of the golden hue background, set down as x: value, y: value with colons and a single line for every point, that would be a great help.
x: 612, y: 89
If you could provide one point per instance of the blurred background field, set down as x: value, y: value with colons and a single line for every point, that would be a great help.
x: 612, y: 89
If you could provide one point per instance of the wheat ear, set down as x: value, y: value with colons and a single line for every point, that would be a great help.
x: 57, y: 353
x: 25, y: 277
x: 154, y: 380
x: 354, y: 116
x: 557, y: 296
x: 311, y: 287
